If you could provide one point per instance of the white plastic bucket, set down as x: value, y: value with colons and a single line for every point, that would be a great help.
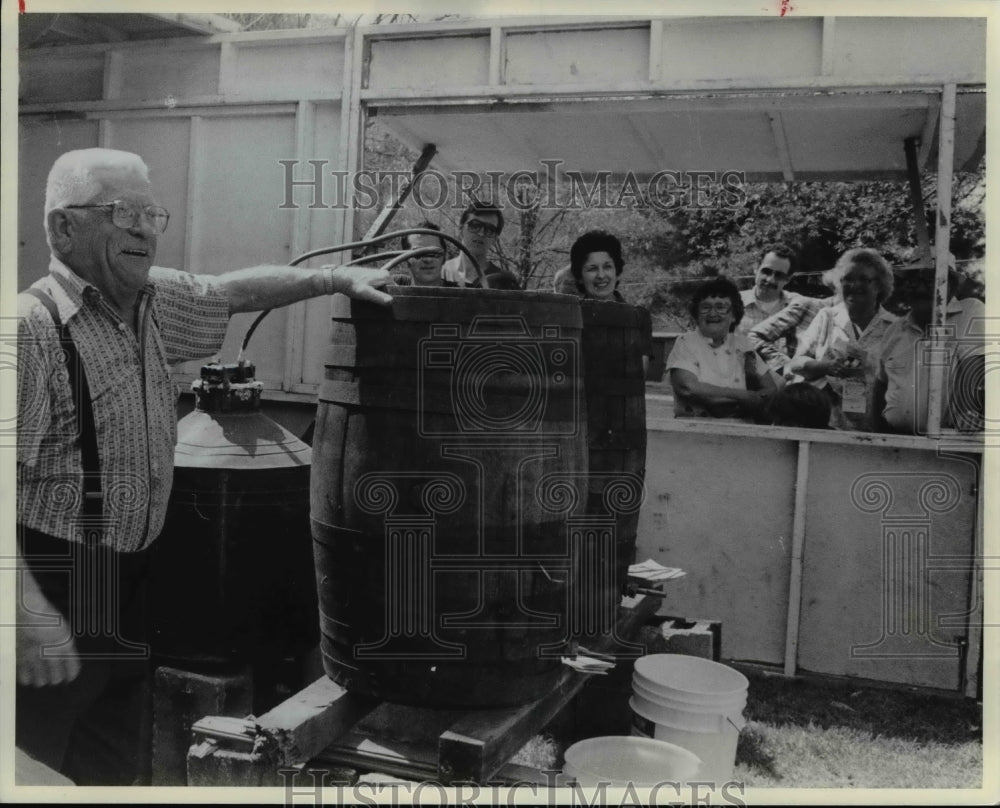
x: 621, y: 759
x: 694, y: 703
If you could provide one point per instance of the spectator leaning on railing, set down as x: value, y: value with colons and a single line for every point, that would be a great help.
x: 901, y: 388
x: 767, y: 297
x: 840, y: 350
x: 714, y: 371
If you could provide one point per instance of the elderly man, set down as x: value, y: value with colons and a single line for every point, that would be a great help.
x: 97, y: 425
x: 768, y: 297
x: 479, y: 227
x: 425, y: 270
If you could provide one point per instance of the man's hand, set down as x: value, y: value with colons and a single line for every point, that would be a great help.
x: 34, y: 669
x: 358, y: 282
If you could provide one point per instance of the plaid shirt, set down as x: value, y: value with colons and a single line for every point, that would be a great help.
x: 181, y: 317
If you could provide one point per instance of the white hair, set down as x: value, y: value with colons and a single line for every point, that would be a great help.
x: 77, y: 177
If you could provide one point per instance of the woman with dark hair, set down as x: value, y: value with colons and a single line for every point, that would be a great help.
x: 595, y: 262
x: 595, y: 265
x: 839, y: 352
x: 715, y: 372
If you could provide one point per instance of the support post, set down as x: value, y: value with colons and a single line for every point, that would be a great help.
x: 942, y: 256
x: 917, y: 200
x: 795, y: 576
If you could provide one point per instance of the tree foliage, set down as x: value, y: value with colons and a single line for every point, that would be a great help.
x: 668, y: 251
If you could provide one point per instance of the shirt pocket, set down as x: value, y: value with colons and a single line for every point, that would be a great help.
x: 897, y: 364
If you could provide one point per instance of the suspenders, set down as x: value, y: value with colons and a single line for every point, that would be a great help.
x: 93, y: 497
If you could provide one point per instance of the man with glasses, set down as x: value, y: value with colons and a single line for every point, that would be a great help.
x: 96, y: 433
x: 777, y: 343
x: 479, y: 227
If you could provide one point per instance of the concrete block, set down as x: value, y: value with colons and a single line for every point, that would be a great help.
x: 694, y: 637
x: 180, y: 698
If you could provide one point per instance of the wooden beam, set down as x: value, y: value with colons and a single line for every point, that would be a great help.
x: 656, y: 51
x: 270, y: 110
x: 942, y: 256
x: 974, y: 639
x: 228, y: 58
x: 827, y: 60
x: 495, y: 73
x: 86, y: 29
x: 113, y: 74
x: 917, y: 199
x: 795, y: 573
x: 971, y: 444
x: 200, y: 23
x: 305, y: 724
x: 209, y: 103
x: 895, y: 83
x: 477, y: 745
x: 930, y: 129
x: 194, y: 184
x: 301, y: 240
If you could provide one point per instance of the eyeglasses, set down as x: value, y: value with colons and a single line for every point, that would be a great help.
x: 435, y: 255
x: 715, y: 308
x: 476, y: 226
x: 767, y: 272
x: 126, y: 216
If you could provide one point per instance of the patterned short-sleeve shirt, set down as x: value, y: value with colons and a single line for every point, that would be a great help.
x: 181, y: 317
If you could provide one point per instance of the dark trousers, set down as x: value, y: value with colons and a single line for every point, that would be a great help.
x: 96, y: 729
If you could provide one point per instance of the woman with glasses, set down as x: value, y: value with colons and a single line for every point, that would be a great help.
x: 715, y: 372
x: 839, y: 352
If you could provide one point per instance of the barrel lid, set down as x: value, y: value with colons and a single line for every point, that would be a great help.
x: 458, y: 305
x: 690, y: 675
x: 237, y: 440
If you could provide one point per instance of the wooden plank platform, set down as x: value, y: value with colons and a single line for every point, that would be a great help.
x: 451, y: 746
x: 326, y: 728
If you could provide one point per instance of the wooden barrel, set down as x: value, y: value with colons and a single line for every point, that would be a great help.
x: 615, y: 337
x: 442, y: 561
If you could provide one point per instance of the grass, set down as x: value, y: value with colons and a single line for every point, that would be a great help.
x: 803, y: 733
